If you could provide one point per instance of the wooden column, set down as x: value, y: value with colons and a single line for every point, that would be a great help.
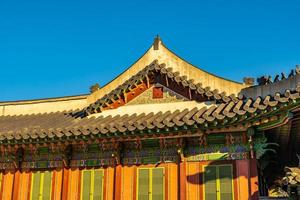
x: 65, y: 182
x: 25, y: 185
x: 7, y: 185
x: 242, y: 171
x: 57, y: 184
x: 16, y: 184
x: 109, y: 183
x: 128, y: 180
x: 182, y: 180
x: 74, y: 184
x: 253, y: 182
x: 192, y: 182
x: 173, y: 181
x: 118, y: 182
x: 167, y: 181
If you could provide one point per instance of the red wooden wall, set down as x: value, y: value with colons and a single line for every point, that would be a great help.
x: 120, y: 183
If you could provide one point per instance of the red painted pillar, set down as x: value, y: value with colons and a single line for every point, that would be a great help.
x: 65, y: 183
x: 243, y: 175
x: 118, y: 182
x: 17, y: 180
x: 254, y: 191
x: 182, y: 179
x: 7, y: 185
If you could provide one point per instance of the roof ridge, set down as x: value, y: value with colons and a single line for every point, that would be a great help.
x: 267, y: 79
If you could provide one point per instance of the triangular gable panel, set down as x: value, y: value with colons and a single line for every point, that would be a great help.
x: 151, y: 76
x: 174, y: 68
x: 148, y: 96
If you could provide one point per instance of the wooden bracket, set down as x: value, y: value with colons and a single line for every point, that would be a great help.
x: 138, y: 143
x: 180, y: 148
x: 229, y: 139
x: 116, y: 156
x: 190, y: 94
x: 162, y: 143
x: 203, y: 140
x: 68, y: 155
x: 251, y: 147
x: 167, y: 81
x: 147, y: 81
x: 116, y: 153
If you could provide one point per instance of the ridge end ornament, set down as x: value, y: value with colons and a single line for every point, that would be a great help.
x: 156, y: 42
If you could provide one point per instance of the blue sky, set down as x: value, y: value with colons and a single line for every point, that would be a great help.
x: 58, y: 48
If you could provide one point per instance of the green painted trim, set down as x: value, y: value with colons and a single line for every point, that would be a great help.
x: 288, y: 115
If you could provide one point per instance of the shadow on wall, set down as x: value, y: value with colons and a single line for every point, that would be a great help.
x: 206, y: 178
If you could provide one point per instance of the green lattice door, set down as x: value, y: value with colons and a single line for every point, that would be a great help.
x: 92, y: 184
x: 150, y: 184
x: 41, y: 183
x: 218, y: 182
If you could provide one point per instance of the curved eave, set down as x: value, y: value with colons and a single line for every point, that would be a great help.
x: 198, y: 68
x: 41, y: 106
x: 43, y: 100
x: 164, y: 55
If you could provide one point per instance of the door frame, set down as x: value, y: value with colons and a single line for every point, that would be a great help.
x: 150, y: 181
x: 218, y: 179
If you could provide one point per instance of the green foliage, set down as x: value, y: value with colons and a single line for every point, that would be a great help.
x: 261, y: 147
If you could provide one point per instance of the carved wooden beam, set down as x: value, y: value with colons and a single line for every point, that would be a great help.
x: 67, y: 155
x: 147, y: 81
x: 203, y: 140
x: 229, y: 139
x: 180, y: 146
x: 167, y: 80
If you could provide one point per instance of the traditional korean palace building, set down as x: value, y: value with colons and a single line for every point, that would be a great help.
x: 162, y: 130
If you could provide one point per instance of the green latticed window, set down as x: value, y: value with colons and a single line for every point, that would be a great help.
x: 218, y: 182
x: 150, y: 184
x: 92, y: 184
x: 41, y: 183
